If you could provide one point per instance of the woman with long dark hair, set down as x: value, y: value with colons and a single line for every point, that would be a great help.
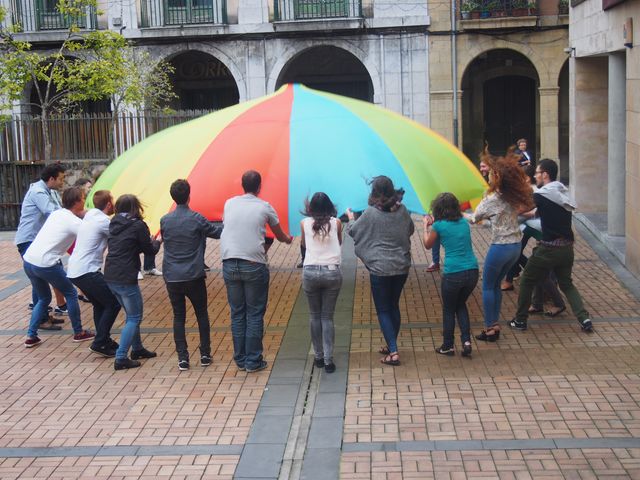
x: 382, y: 237
x: 128, y: 237
x: 509, y: 194
x: 460, y: 275
x: 321, y: 276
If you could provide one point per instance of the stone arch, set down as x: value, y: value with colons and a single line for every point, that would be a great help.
x: 169, y: 52
x: 294, y: 51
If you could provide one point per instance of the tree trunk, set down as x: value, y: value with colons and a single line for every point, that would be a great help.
x: 46, y: 138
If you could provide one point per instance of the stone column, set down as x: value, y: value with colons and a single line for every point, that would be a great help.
x: 549, y: 122
x: 253, y: 11
x: 617, y: 144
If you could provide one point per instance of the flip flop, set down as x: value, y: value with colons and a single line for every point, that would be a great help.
x: 389, y: 359
x: 549, y: 313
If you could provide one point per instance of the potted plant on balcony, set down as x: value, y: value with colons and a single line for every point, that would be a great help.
x: 497, y: 8
x: 563, y: 7
x: 466, y: 7
x: 532, y: 7
x: 519, y: 8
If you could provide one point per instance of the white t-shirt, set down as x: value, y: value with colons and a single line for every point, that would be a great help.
x: 91, y: 243
x: 245, y: 217
x: 54, y: 238
x: 321, y: 249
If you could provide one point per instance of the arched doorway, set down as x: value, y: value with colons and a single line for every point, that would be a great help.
x: 499, y: 102
x: 563, y: 122
x: 202, y: 82
x: 330, y: 69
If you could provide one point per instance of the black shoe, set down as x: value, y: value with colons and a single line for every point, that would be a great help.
x: 144, y: 353
x: 113, y: 344
x: 183, y: 365
x: 466, y: 349
x: 300, y: 265
x: 319, y: 362
x: 449, y: 351
x: 49, y: 309
x: 330, y: 367
x: 488, y: 338
x: 104, y: 350
x: 125, y: 363
x: 205, y: 360
x: 207, y: 268
x: 261, y: 366
x: 518, y: 325
x: 84, y: 299
x: 586, y: 325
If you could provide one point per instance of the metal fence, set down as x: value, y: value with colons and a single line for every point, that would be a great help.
x: 83, y: 137
x: 158, y: 13
x: 316, y: 9
x: 36, y: 15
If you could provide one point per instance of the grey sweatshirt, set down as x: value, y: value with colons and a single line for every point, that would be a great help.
x: 382, y: 240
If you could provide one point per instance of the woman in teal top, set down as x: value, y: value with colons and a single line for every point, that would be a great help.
x: 460, y: 270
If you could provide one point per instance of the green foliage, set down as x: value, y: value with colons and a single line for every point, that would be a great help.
x: 470, y: 6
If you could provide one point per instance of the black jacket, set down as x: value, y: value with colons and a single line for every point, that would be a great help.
x: 128, y: 238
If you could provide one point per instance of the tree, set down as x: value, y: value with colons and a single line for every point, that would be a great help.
x: 64, y: 77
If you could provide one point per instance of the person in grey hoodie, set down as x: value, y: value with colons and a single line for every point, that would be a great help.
x: 128, y: 237
x: 555, y: 250
x: 382, y: 237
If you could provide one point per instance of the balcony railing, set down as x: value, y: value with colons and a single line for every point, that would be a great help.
x: 37, y: 15
x: 160, y: 13
x: 497, y: 8
x: 316, y: 9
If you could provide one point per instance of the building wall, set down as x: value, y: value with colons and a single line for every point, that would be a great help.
x: 593, y: 33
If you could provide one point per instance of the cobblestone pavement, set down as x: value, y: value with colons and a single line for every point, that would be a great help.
x: 550, y: 402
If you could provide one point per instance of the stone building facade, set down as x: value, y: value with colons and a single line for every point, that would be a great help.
x: 605, y: 120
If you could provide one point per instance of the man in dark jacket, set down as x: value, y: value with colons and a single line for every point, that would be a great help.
x: 184, y: 233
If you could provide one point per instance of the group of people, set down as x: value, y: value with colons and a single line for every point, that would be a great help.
x: 50, y: 226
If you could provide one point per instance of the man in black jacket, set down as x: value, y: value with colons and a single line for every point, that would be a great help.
x: 184, y: 233
x: 555, y: 250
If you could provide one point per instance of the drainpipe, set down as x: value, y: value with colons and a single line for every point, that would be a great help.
x: 454, y: 70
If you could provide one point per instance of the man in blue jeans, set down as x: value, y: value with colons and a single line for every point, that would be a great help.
x: 245, y: 271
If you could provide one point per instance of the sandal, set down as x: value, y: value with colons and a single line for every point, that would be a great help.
x: 384, y: 350
x: 392, y: 359
x: 551, y: 313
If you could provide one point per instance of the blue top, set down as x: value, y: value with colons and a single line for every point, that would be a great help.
x: 455, y: 237
x: 38, y: 203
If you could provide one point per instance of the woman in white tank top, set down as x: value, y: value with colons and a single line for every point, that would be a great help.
x: 321, y: 274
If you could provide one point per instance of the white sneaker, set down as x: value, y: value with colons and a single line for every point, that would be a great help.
x: 140, y: 276
x: 153, y: 272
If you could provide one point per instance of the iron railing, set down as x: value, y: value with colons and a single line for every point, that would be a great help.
x: 497, y: 8
x: 160, y: 13
x: 285, y: 10
x: 37, y: 15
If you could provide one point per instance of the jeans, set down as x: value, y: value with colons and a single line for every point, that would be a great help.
x: 105, y: 305
x: 196, y: 292
x: 456, y: 288
x: 560, y: 261
x: 500, y: 258
x: 386, y: 293
x: 547, y: 286
x: 321, y: 284
x: 435, y: 251
x: 22, y: 248
x: 247, y: 292
x: 130, y: 298
x: 40, y: 279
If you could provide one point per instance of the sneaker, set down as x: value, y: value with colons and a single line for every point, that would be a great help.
x: 123, y: 364
x: 319, y: 362
x: 154, y: 272
x: 83, y: 336
x: 183, y: 365
x: 205, y: 360
x: 466, y: 349
x: 434, y: 267
x: 31, y: 342
x: 586, y: 325
x: 330, y: 367
x: 113, y: 344
x: 449, y: 351
x: 140, y: 276
x: 518, y: 325
x: 261, y: 366
x: 300, y: 265
x: 144, y: 353
x: 104, y: 350
x: 61, y: 310
x: 84, y: 299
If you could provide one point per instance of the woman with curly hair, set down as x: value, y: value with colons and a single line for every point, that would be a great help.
x: 460, y: 272
x: 509, y: 194
x: 321, y: 235
x: 382, y: 237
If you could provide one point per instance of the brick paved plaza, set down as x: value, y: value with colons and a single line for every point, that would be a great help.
x: 550, y: 402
